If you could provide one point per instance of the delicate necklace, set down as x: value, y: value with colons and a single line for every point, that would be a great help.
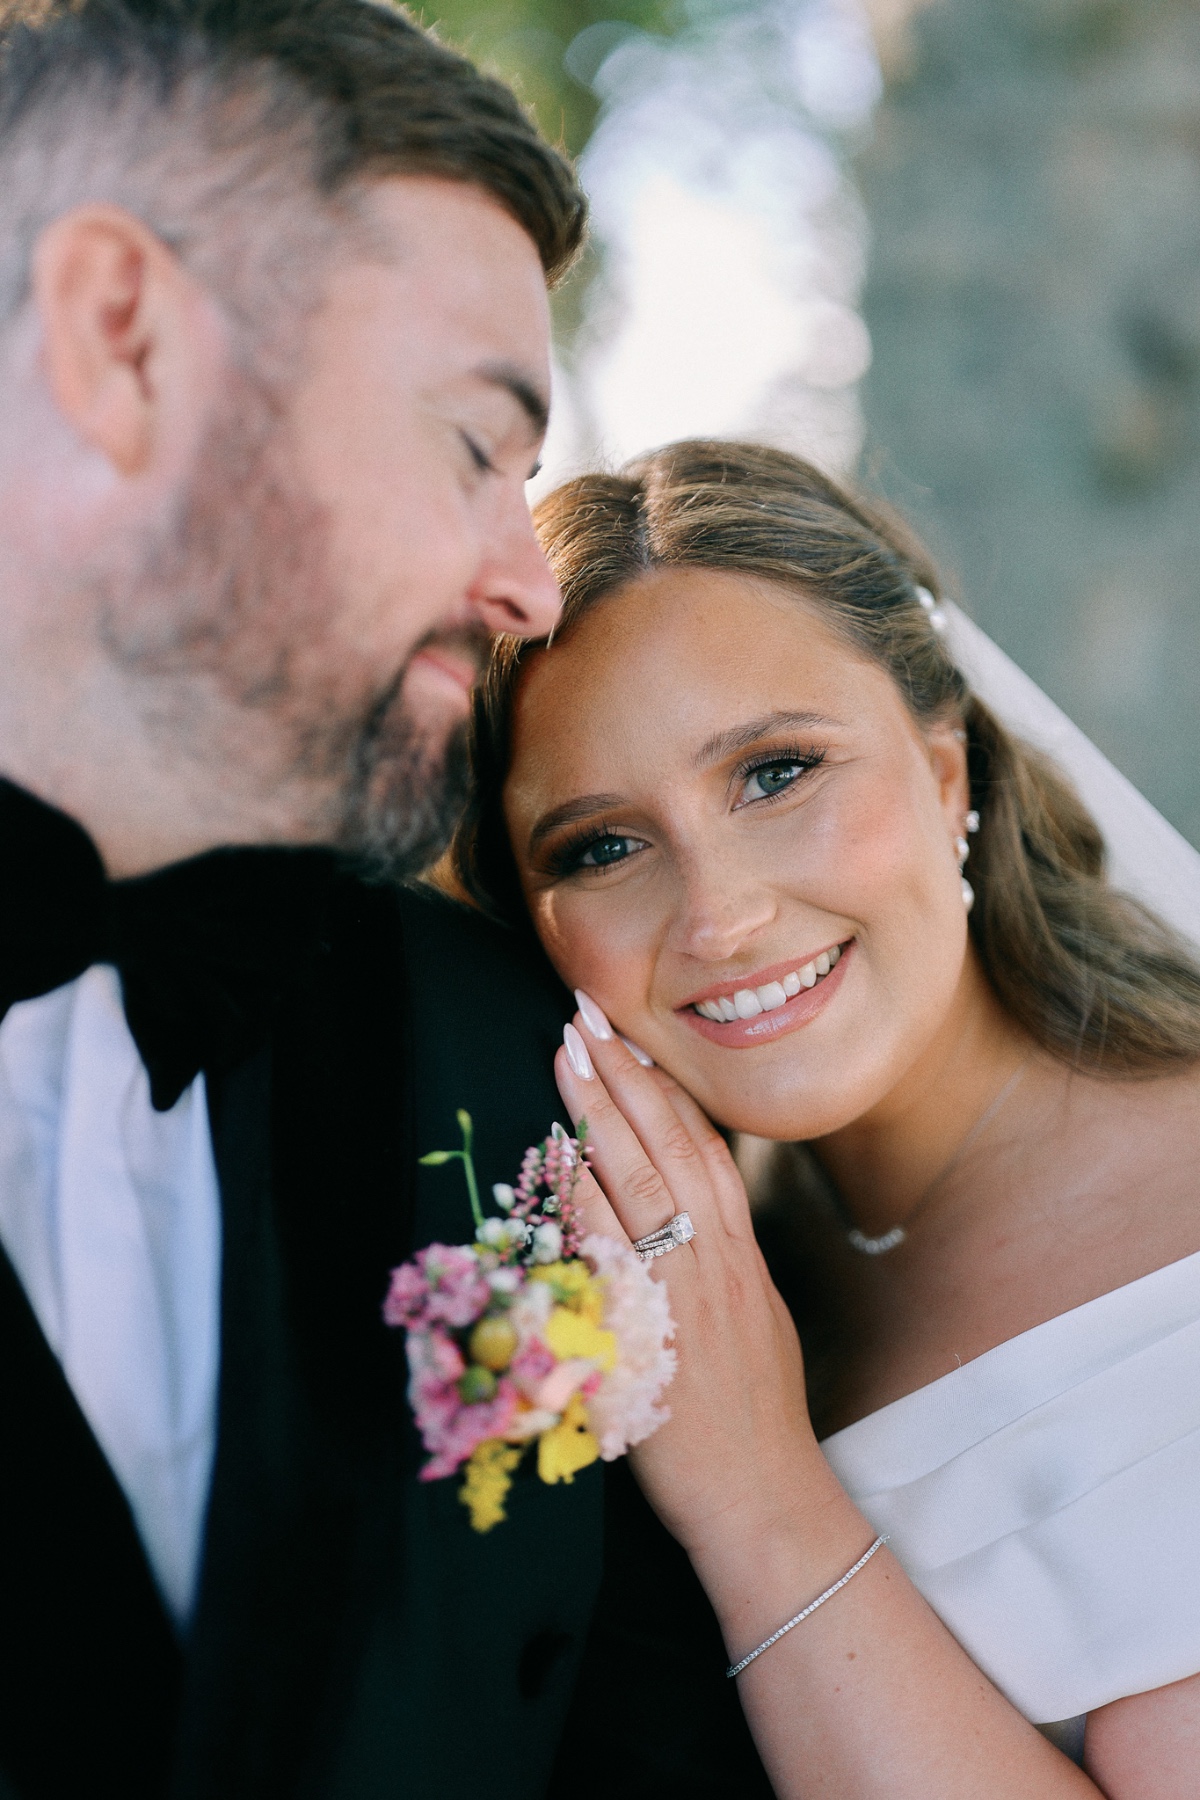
x: 879, y: 1246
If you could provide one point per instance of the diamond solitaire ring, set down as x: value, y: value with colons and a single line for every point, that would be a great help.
x: 676, y: 1231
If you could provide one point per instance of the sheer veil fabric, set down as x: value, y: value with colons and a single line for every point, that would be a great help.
x: 1042, y: 1497
x: 1147, y: 857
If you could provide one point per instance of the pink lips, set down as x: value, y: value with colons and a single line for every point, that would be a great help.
x: 745, y: 1034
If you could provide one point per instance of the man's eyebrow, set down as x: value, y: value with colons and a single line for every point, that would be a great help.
x: 585, y: 807
x: 740, y: 737
x: 532, y: 402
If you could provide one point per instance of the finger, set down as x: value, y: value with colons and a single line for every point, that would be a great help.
x: 592, y: 1023
x: 641, y: 1198
x: 728, y: 1184
x: 678, y: 1146
x: 595, y: 1213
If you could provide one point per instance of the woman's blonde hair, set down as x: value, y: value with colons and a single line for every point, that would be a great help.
x: 1093, y: 976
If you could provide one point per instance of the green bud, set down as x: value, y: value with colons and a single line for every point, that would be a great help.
x: 475, y: 1385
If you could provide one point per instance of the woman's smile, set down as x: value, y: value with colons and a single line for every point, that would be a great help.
x: 740, y: 1015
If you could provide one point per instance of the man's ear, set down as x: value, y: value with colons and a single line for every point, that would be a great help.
x: 104, y: 287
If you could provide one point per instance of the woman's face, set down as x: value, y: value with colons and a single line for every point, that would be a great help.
x: 713, y: 801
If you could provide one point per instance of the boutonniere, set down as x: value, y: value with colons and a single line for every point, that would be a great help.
x: 530, y: 1335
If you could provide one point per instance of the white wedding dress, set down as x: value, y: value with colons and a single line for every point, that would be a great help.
x: 1045, y: 1498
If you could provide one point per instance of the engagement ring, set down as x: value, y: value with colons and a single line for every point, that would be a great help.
x: 676, y: 1231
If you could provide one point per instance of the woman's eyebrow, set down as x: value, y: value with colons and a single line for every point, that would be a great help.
x: 740, y: 737
x: 569, y: 812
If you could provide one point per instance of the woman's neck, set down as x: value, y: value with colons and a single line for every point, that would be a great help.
x: 889, y: 1164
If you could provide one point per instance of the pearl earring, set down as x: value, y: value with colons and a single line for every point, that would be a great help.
x: 963, y: 850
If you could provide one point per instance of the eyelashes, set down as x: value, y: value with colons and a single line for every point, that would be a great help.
x: 804, y: 761
x: 567, y: 858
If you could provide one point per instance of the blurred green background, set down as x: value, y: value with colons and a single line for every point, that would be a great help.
x: 548, y: 49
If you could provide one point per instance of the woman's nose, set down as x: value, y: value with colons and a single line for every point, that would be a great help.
x: 720, y: 911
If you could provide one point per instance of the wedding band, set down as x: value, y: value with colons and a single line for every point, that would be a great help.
x: 676, y: 1231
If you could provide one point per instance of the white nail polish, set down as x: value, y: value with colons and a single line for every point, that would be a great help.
x: 647, y: 1062
x: 593, y: 1017
x: 577, y: 1054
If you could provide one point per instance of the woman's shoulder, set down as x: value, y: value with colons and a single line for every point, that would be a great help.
x: 1125, y: 1341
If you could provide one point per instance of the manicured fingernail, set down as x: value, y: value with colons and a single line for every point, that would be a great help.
x: 593, y: 1017
x: 647, y: 1062
x: 577, y: 1054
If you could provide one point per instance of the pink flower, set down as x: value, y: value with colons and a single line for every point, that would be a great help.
x: 443, y: 1282
x: 450, y: 1428
x: 552, y: 1394
x: 453, y: 1434
x: 405, y: 1303
x: 532, y: 1363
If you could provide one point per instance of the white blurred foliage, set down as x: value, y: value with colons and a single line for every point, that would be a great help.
x: 732, y: 240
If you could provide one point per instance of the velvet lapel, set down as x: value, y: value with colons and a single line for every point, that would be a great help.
x: 477, y: 1639
x: 90, y: 1669
x: 311, y: 1149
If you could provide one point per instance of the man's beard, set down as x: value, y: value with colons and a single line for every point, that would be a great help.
x: 214, y: 612
x: 406, y: 793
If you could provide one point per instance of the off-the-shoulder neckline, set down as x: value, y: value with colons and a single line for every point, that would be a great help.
x: 1046, y: 1358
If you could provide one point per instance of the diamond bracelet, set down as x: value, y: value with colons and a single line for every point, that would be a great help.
x: 820, y: 1600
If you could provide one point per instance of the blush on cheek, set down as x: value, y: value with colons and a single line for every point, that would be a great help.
x: 586, y: 958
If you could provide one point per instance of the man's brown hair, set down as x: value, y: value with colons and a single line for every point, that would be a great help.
x: 218, y: 112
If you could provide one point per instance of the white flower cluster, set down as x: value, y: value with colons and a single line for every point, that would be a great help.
x: 626, y: 1408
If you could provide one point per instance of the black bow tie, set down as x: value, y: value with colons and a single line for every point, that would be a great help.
x: 204, y: 949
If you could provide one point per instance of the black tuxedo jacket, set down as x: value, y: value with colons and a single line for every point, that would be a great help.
x: 353, y: 1639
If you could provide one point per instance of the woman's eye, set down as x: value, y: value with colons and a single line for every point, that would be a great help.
x: 602, y: 852
x: 772, y: 778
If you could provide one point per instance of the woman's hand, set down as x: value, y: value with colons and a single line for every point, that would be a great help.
x: 738, y: 1461
x: 870, y: 1698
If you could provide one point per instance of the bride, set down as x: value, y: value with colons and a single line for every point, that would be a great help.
x: 760, y: 823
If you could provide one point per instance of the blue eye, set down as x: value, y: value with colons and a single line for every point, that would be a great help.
x: 772, y: 778
x: 602, y: 852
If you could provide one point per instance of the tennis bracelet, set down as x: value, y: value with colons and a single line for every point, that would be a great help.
x: 800, y: 1617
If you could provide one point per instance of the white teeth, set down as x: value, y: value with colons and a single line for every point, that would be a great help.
x: 747, y: 1003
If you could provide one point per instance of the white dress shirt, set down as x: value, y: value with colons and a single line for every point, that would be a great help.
x: 109, y: 1213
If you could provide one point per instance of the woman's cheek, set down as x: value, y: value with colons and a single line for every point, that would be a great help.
x: 586, y: 951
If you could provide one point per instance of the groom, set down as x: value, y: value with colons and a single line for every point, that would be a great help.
x: 273, y: 374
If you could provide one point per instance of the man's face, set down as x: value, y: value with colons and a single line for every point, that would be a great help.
x: 310, y: 613
x: 412, y: 433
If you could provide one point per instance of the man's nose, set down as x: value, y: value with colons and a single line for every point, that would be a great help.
x: 515, y: 590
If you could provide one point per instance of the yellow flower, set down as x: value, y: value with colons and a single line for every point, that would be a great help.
x: 488, y: 1479
x: 572, y: 1334
x: 574, y: 1286
x: 568, y: 1446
